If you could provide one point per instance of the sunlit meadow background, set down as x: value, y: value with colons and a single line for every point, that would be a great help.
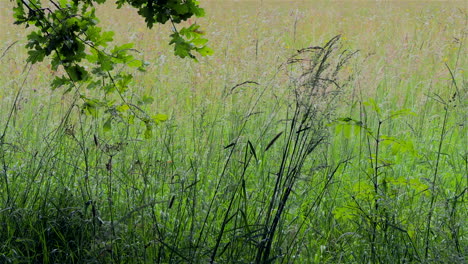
x: 176, y: 198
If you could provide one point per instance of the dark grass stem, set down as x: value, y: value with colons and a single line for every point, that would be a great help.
x: 434, y: 182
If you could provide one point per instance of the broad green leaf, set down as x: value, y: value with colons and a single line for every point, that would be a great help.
x: 59, y: 81
x: 105, y: 61
x: 18, y: 13
x: 36, y: 56
x: 205, y: 51
x: 180, y: 8
x: 123, y: 47
x: 160, y: 118
x: 77, y: 73
x: 135, y: 64
x: 106, y: 37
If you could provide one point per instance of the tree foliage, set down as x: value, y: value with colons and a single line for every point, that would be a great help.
x: 68, y: 32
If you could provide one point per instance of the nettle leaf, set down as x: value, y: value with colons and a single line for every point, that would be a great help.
x: 349, y: 127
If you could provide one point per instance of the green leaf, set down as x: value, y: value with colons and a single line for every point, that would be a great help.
x: 197, y: 11
x: 36, y: 56
x: 106, y: 37
x: 148, y: 131
x: 371, y: 102
x: 135, y: 64
x: 160, y: 118
x: 18, y: 14
x: 105, y: 61
x: 108, y: 125
x: 123, y: 108
x: 89, y: 108
x: 77, y: 73
x: 205, y: 51
x: 59, y: 81
x: 401, y: 112
x: 123, y: 82
x: 180, y: 8
x: 93, y: 85
x: 131, y: 119
x: 70, y: 37
x: 121, y: 48
x: 181, y: 47
x: 343, y: 213
x: 345, y: 130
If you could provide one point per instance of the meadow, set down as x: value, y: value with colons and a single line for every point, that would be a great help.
x: 264, y: 158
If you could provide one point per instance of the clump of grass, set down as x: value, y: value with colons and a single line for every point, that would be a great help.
x: 315, y: 91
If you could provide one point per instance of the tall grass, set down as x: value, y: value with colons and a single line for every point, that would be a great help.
x: 267, y: 157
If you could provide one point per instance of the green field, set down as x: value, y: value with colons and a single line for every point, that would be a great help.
x: 262, y: 160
